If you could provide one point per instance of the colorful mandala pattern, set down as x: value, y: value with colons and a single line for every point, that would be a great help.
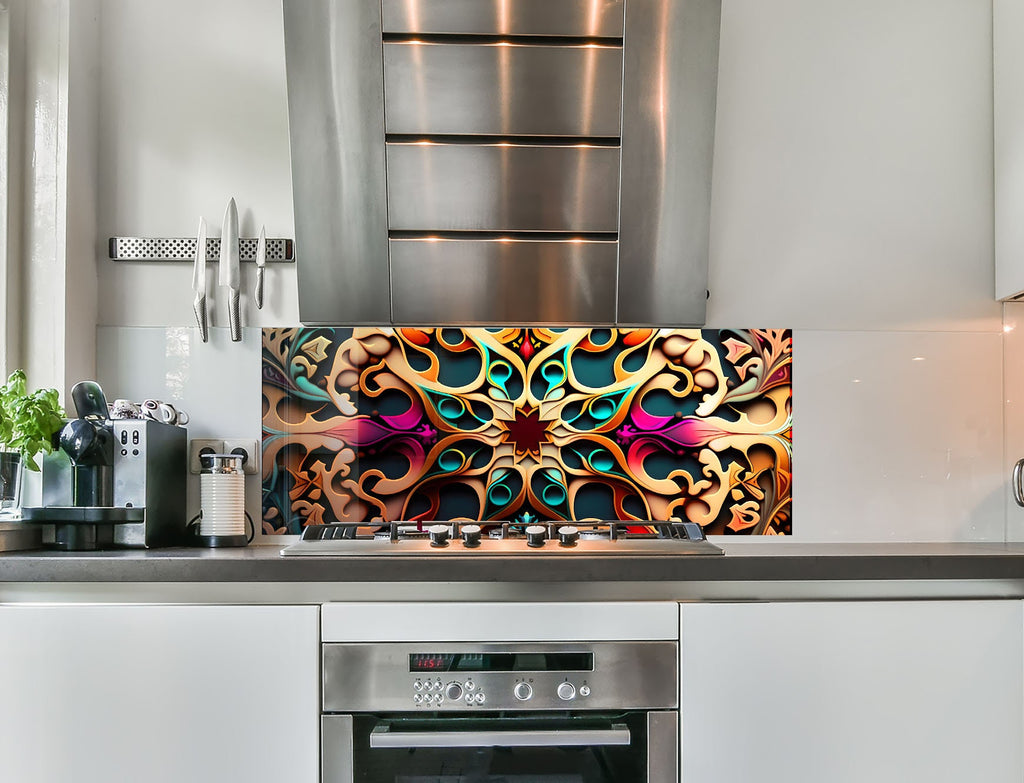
x: 381, y: 424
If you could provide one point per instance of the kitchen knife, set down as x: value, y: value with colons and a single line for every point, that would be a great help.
x: 199, y: 281
x: 261, y: 262
x: 229, y: 275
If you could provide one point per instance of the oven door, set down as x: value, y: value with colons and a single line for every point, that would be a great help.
x: 630, y: 747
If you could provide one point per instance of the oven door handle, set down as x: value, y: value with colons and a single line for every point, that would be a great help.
x: 383, y: 737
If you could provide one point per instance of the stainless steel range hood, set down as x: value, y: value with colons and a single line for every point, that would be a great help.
x: 502, y: 161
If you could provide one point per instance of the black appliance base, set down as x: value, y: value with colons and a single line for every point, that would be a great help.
x: 220, y: 541
x: 83, y: 528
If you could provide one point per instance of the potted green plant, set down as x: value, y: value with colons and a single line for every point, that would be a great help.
x: 28, y: 423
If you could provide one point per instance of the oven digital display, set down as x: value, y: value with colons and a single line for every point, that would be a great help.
x: 502, y: 662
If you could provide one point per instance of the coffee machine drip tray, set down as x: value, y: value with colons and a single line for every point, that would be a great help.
x: 91, y: 515
x: 77, y: 528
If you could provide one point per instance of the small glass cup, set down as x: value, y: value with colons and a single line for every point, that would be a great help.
x: 11, y: 469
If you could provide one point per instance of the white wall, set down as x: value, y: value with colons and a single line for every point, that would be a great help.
x: 193, y: 112
x: 1013, y: 398
x: 852, y: 203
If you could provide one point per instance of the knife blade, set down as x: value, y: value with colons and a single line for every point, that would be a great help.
x: 261, y: 262
x: 199, y: 281
x: 229, y: 274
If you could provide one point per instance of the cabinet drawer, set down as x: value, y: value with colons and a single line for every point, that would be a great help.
x: 502, y: 187
x: 489, y: 281
x: 502, y: 89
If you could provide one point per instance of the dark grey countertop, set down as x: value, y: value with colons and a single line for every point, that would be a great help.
x: 761, y: 561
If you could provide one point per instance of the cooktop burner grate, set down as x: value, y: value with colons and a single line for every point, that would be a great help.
x: 634, y: 537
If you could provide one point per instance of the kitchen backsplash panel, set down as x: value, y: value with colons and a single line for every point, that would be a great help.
x: 518, y: 424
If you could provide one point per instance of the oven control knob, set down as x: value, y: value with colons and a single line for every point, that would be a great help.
x: 566, y: 691
x: 536, y: 535
x: 471, y: 535
x: 584, y: 690
x: 522, y: 691
x: 453, y: 692
x: 568, y: 535
x: 438, y: 535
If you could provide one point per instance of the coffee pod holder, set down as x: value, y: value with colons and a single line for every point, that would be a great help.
x: 222, y: 519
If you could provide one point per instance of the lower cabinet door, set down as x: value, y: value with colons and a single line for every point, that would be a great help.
x: 852, y: 692
x: 161, y: 694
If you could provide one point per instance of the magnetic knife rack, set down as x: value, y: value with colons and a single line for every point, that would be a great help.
x: 279, y: 251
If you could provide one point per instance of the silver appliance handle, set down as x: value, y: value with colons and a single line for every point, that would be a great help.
x: 383, y: 737
x: 1018, y: 488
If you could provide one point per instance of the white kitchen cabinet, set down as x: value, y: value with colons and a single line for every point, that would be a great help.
x: 850, y: 692
x: 161, y: 694
x: 1008, y: 133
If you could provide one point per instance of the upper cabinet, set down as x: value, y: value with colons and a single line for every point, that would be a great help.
x: 489, y: 162
x: 1008, y: 108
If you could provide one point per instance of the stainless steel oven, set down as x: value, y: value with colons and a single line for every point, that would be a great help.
x: 517, y: 712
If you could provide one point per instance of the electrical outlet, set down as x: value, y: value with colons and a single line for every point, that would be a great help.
x: 249, y: 449
x: 198, y: 446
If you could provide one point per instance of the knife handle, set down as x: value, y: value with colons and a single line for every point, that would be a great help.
x: 234, y: 317
x: 199, y: 305
x: 258, y: 293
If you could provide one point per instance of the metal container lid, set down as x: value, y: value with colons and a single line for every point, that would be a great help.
x: 221, y: 463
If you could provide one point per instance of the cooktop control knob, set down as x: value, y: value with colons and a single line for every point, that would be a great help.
x: 453, y: 691
x: 522, y: 691
x: 438, y: 535
x: 536, y: 535
x: 566, y: 691
x: 471, y: 535
x: 568, y: 535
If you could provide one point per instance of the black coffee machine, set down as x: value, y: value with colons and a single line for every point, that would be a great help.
x: 114, y: 482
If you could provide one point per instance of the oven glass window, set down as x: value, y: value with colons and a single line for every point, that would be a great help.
x: 481, y: 758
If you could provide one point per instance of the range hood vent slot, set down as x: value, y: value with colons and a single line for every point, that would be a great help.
x: 501, y: 40
x: 565, y: 18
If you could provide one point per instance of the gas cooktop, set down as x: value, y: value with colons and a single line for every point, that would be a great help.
x: 503, y: 538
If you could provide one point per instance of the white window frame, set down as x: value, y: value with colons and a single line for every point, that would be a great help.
x: 6, y: 325
x: 48, y: 249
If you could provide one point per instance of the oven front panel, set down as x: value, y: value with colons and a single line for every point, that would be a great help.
x: 473, y: 678
x: 625, y: 747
